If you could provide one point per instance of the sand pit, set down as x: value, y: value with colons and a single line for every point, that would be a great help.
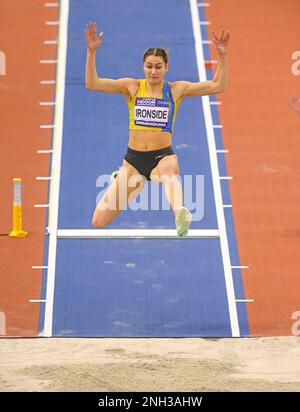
x: 113, y: 365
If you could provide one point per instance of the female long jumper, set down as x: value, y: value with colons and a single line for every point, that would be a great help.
x: 152, y: 104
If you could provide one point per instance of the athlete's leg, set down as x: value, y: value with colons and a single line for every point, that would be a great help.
x: 126, y: 186
x: 166, y: 172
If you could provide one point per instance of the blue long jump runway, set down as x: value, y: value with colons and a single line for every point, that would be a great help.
x: 136, y: 287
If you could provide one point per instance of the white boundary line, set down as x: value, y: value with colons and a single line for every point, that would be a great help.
x: 47, y: 103
x: 43, y: 178
x: 215, y: 174
x: 135, y: 233
x: 56, y: 163
x: 47, y: 82
x: 45, y: 151
x: 48, y: 61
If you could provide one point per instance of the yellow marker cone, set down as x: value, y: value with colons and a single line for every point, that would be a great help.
x: 17, y: 230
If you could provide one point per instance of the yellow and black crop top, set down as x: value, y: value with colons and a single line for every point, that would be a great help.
x: 155, y: 114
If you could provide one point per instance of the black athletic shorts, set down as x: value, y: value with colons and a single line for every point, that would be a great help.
x: 145, y: 162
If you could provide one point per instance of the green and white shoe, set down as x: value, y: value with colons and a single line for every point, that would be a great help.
x: 183, y: 221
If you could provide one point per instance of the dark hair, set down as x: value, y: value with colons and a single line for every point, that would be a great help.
x: 155, y: 51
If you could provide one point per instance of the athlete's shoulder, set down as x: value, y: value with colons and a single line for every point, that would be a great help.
x: 129, y: 81
x: 177, y: 85
x: 132, y: 86
x: 177, y: 89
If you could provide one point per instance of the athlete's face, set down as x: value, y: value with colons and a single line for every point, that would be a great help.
x: 155, y: 69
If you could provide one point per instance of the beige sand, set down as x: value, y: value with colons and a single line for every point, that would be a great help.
x: 249, y: 364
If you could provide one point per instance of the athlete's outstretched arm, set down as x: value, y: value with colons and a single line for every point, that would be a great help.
x: 92, y: 81
x: 93, y: 43
x: 221, y: 46
x: 219, y: 82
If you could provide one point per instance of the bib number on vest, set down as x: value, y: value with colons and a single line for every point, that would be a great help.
x: 151, y: 112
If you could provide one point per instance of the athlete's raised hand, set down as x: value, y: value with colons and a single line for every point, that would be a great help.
x: 92, y: 40
x: 222, y: 42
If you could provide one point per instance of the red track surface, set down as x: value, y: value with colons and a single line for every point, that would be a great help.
x: 23, y: 30
x: 261, y: 133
